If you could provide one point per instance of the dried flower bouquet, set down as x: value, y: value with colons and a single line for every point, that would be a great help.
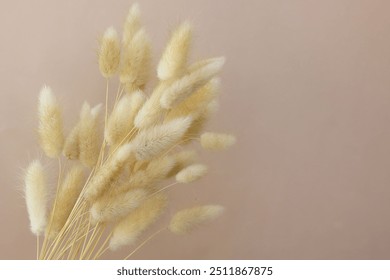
x: 128, y: 153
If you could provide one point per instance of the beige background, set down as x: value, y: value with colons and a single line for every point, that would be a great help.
x: 306, y: 89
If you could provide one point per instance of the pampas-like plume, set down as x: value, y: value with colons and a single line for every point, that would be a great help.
x: 89, y: 137
x: 184, y: 221
x: 121, y: 120
x: 191, y: 173
x: 132, y: 24
x: 174, y: 58
x: 116, y: 205
x: 109, y: 53
x: 216, y: 141
x: 109, y: 172
x: 66, y: 198
x: 135, y: 66
x: 154, y: 141
x: 50, y: 123
x: 128, y: 230
x: 184, y: 87
x: 36, y: 194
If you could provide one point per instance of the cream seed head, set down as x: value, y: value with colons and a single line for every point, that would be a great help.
x: 121, y: 120
x: 216, y: 141
x: 113, y: 207
x: 153, y: 142
x: 109, y: 53
x: 127, y: 231
x: 136, y: 61
x: 189, y: 84
x: 185, y: 221
x: 50, y: 123
x: 132, y: 23
x: 36, y: 195
x: 174, y: 58
x: 191, y: 173
x: 89, y: 135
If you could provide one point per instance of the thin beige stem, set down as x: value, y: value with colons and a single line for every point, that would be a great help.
x: 143, y: 243
x: 96, y: 241
x: 162, y: 189
x: 101, y: 251
x: 85, y: 240
x: 37, y: 246
x: 83, y: 253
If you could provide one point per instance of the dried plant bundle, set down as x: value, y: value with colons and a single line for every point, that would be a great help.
x: 133, y: 150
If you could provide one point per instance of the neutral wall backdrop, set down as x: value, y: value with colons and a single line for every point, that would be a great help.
x: 306, y: 90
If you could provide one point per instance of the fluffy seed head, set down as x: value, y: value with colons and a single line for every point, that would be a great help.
x: 186, y: 220
x: 36, y: 194
x: 121, y: 120
x: 151, y: 112
x: 108, y: 208
x: 174, y: 58
x: 71, y: 146
x: 132, y: 23
x: 189, y: 84
x: 109, y: 172
x: 68, y: 194
x: 153, y: 142
x: 182, y: 159
x: 197, y: 103
x: 50, y: 123
x: 109, y: 53
x: 89, y: 136
x: 191, y: 173
x: 129, y: 229
x: 216, y: 141
x: 136, y: 62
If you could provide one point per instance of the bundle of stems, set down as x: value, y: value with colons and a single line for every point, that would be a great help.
x: 115, y: 165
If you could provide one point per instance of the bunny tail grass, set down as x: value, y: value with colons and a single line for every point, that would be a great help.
x: 109, y: 53
x: 216, y: 141
x: 191, y: 173
x: 36, y: 194
x: 109, y: 172
x: 66, y: 199
x: 185, y: 221
x: 174, y: 58
x: 154, y: 141
x: 127, y: 231
x: 50, y: 123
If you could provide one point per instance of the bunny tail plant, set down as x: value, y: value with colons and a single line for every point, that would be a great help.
x: 115, y: 164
